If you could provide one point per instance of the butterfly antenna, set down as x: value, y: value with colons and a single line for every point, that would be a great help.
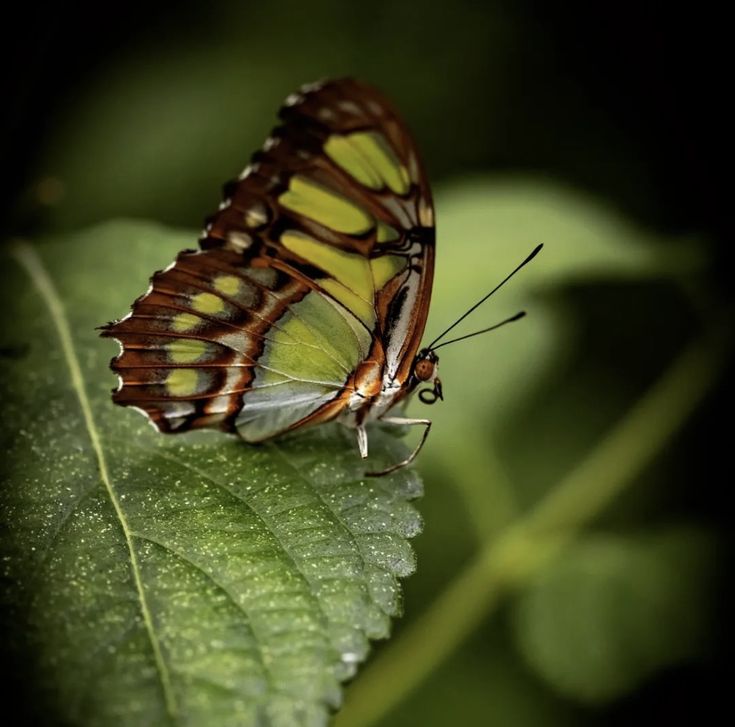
x: 533, y: 254
x: 516, y: 317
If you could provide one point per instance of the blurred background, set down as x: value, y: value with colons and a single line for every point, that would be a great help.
x: 594, y: 129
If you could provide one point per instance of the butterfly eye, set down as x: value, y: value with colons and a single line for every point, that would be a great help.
x: 424, y: 369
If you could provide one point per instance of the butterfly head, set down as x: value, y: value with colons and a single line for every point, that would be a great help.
x: 425, y: 370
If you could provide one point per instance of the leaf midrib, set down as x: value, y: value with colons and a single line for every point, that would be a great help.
x: 30, y: 261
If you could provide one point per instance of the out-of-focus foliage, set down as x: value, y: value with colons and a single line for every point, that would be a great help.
x: 614, y: 610
x: 203, y: 97
x: 486, y: 227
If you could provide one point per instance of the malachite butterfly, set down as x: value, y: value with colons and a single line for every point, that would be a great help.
x: 308, y: 298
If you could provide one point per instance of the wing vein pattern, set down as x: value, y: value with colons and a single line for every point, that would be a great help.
x: 317, y: 266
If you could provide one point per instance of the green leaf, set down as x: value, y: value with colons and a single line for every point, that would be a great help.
x: 611, y: 611
x: 485, y: 227
x: 168, y: 580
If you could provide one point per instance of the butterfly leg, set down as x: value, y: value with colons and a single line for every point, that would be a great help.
x: 362, y: 441
x: 403, y: 421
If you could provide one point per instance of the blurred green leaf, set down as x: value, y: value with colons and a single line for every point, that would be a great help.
x: 612, y: 610
x: 152, y: 580
x: 156, y: 129
x: 485, y: 227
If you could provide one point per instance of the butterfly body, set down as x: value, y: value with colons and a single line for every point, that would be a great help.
x: 308, y: 298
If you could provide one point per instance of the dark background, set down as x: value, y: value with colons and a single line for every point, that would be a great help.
x: 624, y: 101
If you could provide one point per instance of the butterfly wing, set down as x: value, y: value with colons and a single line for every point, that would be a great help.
x: 319, y: 259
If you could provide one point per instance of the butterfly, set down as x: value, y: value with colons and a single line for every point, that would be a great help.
x: 309, y: 295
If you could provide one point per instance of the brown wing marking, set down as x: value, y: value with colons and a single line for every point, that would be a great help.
x: 190, y: 345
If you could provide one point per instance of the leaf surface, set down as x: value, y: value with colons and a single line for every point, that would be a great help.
x: 175, y: 580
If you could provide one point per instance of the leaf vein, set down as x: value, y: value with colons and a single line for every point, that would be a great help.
x: 338, y: 517
x: 31, y: 262
x: 220, y: 586
x: 312, y: 587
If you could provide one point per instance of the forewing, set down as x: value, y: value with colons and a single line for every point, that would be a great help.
x: 339, y: 193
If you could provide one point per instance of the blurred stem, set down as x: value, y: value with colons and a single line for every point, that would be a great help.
x: 489, y: 493
x: 486, y: 492
x: 509, y: 559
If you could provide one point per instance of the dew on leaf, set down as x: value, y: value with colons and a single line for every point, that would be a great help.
x: 243, y: 577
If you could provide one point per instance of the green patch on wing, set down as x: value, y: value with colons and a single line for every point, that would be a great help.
x: 368, y: 157
x: 325, y: 206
